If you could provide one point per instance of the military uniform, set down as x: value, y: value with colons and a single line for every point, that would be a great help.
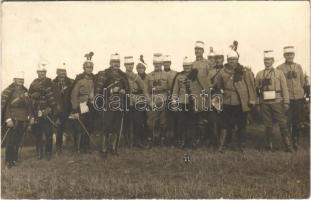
x: 143, y: 122
x: 113, y: 80
x: 63, y: 89
x: 81, y: 97
x: 170, y: 116
x: 213, y: 115
x: 185, y: 90
x: 135, y: 117
x: 15, y: 106
x: 295, y: 82
x: 158, y: 87
x: 203, y: 67
x: 272, y: 109
x: 44, y: 100
x: 239, y: 93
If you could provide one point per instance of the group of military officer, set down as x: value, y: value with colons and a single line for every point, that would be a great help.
x: 202, y: 103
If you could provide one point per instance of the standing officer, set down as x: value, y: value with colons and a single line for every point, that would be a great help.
x: 158, y: 86
x: 274, y: 99
x: 43, y: 95
x: 134, y: 117
x: 17, y: 112
x: 63, y: 86
x: 113, y: 84
x: 141, y: 71
x: 171, y: 120
x: 185, y: 94
x: 82, y: 95
x: 295, y: 82
x: 202, y: 66
x: 213, y: 115
x: 237, y: 83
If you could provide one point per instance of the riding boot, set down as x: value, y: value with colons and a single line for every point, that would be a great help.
x: 287, y: 144
x: 222, y: 139
x: 163, y: 137
x: 114, y: 144
x: 241, y: 138
x: 39, y: 151
x: 295, y: 137
x: 269, y: 139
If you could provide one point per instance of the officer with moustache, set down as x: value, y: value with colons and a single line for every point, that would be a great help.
x: 44, y: 100
x: 63, y: 86
x: 113, y: 85
x: 17, y: 114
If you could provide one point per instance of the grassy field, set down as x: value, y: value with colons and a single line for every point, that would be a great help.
x: 162, y: 173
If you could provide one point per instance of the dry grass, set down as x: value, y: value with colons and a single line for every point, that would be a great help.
x: 162, y: 173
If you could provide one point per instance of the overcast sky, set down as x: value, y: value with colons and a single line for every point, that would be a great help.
x: 65, y: 31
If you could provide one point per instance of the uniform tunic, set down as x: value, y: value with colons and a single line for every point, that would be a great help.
x: 42, y: 93
x: 184, y: 88
x: 237, y: 96
x: 296, y: 94
x: 278, y: 84
x: 137, y: 86
x: 16, y: 103
x: 203, y: 66
x: 171, y: 76
x: 16, y: 106
x: 158, y: 87
x: 83, y: 90
x: 273, y: 110
x: 295, y: 85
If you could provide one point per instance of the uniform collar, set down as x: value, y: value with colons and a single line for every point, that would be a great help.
x: 218, y: 66
x: 88, y: 76
x: 199, y: 58
x: 157, y: 71
x: 143, y: 75
x: 269, y: 69
x: 289, y: 63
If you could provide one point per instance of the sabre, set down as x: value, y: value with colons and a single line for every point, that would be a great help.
x: 5, y: 135
x: 22, y: 142
x: 121, y: 129
x: 85, y: 130
x: 51, y: 121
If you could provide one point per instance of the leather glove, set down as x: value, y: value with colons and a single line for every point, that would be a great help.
x: 122, y: 91
x: 32, y: 121
x: 74, y: 116
x: 9, y: 123
x: 46, y: 111
x: 286, y: 107
x: 57, y: 121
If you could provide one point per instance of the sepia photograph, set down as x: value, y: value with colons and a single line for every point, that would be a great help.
x: 155, y: 99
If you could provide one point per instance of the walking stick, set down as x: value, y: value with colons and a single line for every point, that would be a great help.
x: 5, y: 135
